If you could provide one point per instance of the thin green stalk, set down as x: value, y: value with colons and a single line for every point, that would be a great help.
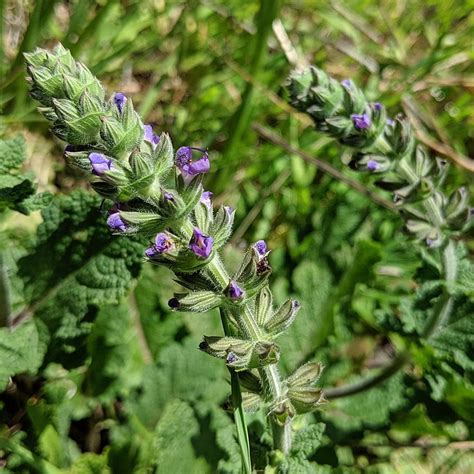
x: 239, y: 412
x: 241, y: 120
x: 270, y: 375
x: 5, y: 300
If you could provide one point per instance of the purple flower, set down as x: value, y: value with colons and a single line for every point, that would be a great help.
x: 120, y: 100
x: 206, y: 197
x: 390, y: 122
x: 347, y: 83
x: 261, y: 248
x: 168, y: 196
x: 378, y: 106
x: 235, y: 292
x: 115, y: 222
x: 201, y: 244
x: 361, y: 121
x: 150, y: 137
x: 231, y: 358
x: 163, y: 244
x: 372, y: 165
x: 100, y: 163
x: 229, y: 210
x: 189, y: 168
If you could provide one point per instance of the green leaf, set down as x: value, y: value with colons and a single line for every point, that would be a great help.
x: 305, y: 443
x: 90, y: 463
x: 116, y: 361
x: 370, y: 409
x: 78, y: 266
x: 182, y: 372
x: 15, y: 186
x: 312, y: 282
x: 173, y: 446
x: 21, y: 350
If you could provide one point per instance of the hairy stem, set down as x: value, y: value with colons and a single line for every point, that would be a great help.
x: 270, y: 376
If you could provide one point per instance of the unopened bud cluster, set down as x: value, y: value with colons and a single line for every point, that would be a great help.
x: 386, y: 148
x: 159, y: 193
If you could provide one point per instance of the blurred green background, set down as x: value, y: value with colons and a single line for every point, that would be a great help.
x: 212, y: 74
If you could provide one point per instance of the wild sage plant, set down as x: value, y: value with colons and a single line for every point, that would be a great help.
x: 159, y: 193
x: 387, y: 149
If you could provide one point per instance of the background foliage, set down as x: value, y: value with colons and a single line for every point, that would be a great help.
x: 98, y: 373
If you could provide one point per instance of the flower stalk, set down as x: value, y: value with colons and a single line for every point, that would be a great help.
x: 158, y: 193
x: 387, y: 149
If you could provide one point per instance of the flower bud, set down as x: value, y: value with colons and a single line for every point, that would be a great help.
x: 264, y: 353
x: 197, y: 301
x: 305, y: 399
x: 122, y: 136
x: 250, y: 382
x: 143, y: 173
x: 264, y: 306
x: 221, y: 227
x: 144, y: 221
x: 457, y: 205
x: 283, y: 318
x: 283, y: 412
x: 236, y: 352
x: 400, y: 136
x: 251, y: 402
x: 307, y: 374
x: 163, y: 156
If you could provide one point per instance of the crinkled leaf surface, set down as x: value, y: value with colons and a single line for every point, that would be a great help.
x: 15, y: 185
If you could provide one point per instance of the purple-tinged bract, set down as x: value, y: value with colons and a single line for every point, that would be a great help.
x: 100, y: 163
x: 189, y: 168
x: 361, y: 122
x: 201, y: 245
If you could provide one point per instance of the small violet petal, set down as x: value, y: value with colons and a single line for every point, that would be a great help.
x: 115, y: 222
x: 149, y: 136
x: 189, y: 168
x: 361, y: 122
x: 100, y: 163
x: 120, y: 100
x: 235, y: 292
x: 347, y: 83
x: 261, y: 248
x: 372, y: 165
x: 201, y: 245
x: 206, y: 198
